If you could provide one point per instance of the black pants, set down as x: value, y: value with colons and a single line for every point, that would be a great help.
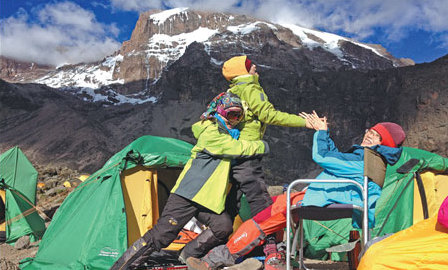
x: 177, y: 212
x: 247, y: 177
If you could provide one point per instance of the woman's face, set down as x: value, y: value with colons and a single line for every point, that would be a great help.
x: 371, y: 138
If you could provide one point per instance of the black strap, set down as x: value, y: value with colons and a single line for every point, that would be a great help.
x: 133, y: 156
x: 421, y: 190
x: 408, y: 166
x: 126, y: 158
x: 2, y: 211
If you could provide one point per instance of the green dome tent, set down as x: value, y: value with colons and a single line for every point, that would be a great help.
x: 112, y: 208
x: 406, y: 198
x: 18, y: 215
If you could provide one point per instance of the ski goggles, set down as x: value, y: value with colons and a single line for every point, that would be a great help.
x: 235, y: 115
x: 232, y: 113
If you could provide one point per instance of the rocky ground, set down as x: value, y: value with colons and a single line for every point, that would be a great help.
x: 50, y: 194
x: 10, y: 258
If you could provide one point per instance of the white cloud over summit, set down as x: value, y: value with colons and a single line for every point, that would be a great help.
x: 56, y: 34
x: 359, y: 18
x: 64, y: 32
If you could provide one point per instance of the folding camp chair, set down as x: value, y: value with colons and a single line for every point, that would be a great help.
x: 374, y: 169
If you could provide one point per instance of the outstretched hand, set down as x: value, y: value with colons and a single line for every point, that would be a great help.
x: 307, y: 118
x: 313, y: 121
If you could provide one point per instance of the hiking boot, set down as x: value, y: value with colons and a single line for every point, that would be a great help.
x: 275, y: 261
x: 134, y: 256
x: 182, y: 258
x: 197, y: 264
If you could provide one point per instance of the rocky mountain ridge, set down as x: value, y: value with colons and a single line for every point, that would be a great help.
x: 18, y: 71
x: 160, y: 38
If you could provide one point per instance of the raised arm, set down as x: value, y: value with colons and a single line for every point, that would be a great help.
x: 334, y: 162
x: 265, y: 111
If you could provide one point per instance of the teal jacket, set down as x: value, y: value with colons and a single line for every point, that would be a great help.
x: 344, y: 165
x: 205, y: 177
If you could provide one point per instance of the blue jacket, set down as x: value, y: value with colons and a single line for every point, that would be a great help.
x: 349, y: 165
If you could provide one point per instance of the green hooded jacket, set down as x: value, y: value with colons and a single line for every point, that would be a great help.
x: 205, y: 177
x: 259, y: 112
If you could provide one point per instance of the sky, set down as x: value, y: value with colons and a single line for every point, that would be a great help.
x: 72, y: 31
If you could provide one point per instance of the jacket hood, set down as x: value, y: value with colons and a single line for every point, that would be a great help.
x: 391, y: 154
x: 234, y: 67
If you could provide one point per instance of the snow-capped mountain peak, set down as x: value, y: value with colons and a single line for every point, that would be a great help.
x: 161, y: 38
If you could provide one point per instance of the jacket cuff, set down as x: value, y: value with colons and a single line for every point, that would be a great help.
x: 266, y: 147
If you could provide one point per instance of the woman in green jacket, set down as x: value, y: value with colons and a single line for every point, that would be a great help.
x: 247, y: 175
x: 259, y: 112
x: 202, y: 186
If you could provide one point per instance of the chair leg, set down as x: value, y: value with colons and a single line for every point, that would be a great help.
x: 353, y: 255
x: 295, y: 241
x: 365, y: 217
x: 301, y: 264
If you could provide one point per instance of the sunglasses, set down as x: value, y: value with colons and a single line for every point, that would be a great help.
x: 373, y: 134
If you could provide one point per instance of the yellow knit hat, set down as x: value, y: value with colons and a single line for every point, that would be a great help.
x: 234, y: 67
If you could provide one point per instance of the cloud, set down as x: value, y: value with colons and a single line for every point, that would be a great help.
x: 233, y: 6
x: 359, y: 19
x: 136, y: 5
x: 55, y: 34
x: 64, y: 32
x: 100, y: 4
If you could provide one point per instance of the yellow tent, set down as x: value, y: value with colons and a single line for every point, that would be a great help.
x: 2, y: 211
x: 435, y: 189
x: 145, y: 192
x: 421, y: 246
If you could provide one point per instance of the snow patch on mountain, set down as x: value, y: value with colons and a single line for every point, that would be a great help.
x: 161, y: 17
x: 367, y: 47
x: 108, y: 96
x: 88, y: 75
x: 215, y: 61
x: 245, y: 29
x: 330, y: 41
x: 89, y: 82
x: 165, y: 47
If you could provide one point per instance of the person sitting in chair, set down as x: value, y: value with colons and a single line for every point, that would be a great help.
x: 385, y: 138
